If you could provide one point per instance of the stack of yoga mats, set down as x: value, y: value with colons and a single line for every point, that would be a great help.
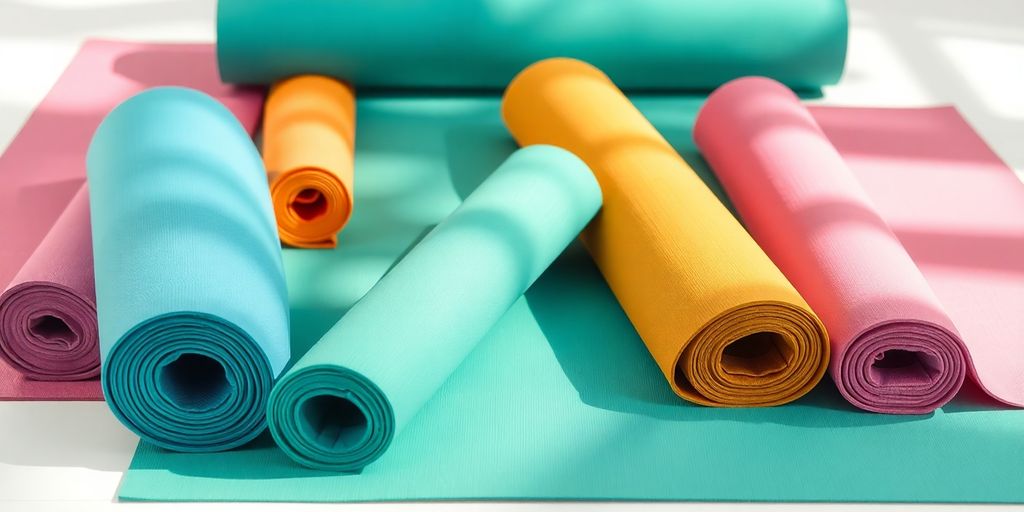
x: 443, y: 346
x: 45, y: 237
x: 562, y: 400
x: 190, y: 287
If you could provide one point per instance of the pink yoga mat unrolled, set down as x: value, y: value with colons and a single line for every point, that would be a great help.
x: 44, y: 166
x: 896, y: 346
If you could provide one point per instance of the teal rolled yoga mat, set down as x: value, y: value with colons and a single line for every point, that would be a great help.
x: 640, y: 44
x: 190, y: 291
x: 342, y: 403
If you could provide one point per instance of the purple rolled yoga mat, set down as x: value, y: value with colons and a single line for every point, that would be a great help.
x: 48, y: 312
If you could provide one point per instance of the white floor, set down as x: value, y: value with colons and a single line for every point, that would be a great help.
x: 70, y: 456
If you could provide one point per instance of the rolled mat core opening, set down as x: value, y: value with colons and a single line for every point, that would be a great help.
x: 309, y: 204
x: 195, y: 382
x: 757, y: 355
x: 904, y: 367
x: 52, y: 329
x: 332, y: 422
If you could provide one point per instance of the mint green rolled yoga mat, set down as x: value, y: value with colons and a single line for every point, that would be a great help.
x: 640, y: 44
x: 190, y: 291
x: 342, y: 403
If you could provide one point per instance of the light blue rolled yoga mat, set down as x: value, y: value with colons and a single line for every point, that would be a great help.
x: 342, y: 403
x: 190, y: 290
x: 640, y: 44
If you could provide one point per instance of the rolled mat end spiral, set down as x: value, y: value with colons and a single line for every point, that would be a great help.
x: 331, y: 418
x: 757, y: 355
x: 48, y: 332
x: 187, y: 395
x: 902, y: 367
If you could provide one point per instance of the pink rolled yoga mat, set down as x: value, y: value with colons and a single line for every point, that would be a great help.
x: 895, y: 347
x: 958, y: 210
x: 48, y: 325
x: 44, y: 166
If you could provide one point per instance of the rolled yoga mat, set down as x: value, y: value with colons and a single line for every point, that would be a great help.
x: 895, y: 349
x: 309, y: 129
x: 958, y: 210
x: 190, y: 286
x: 723, y: 323
x: 642, y: 44
x: 48, y: 313
x: 342, y: 403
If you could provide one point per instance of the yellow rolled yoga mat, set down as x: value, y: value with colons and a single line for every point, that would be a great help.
x: 722, y: 322
x: 308, y: 148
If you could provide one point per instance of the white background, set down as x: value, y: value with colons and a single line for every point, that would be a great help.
x: 71, y: 455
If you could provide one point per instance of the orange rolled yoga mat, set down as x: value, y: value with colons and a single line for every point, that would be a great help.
x: 724, y: 325
x: 308, y: 148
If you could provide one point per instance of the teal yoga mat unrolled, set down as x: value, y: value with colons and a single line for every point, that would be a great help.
x: 561, y: 400
x: 640, y: 44
x: 342, y: 403
x: 190, y: 287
